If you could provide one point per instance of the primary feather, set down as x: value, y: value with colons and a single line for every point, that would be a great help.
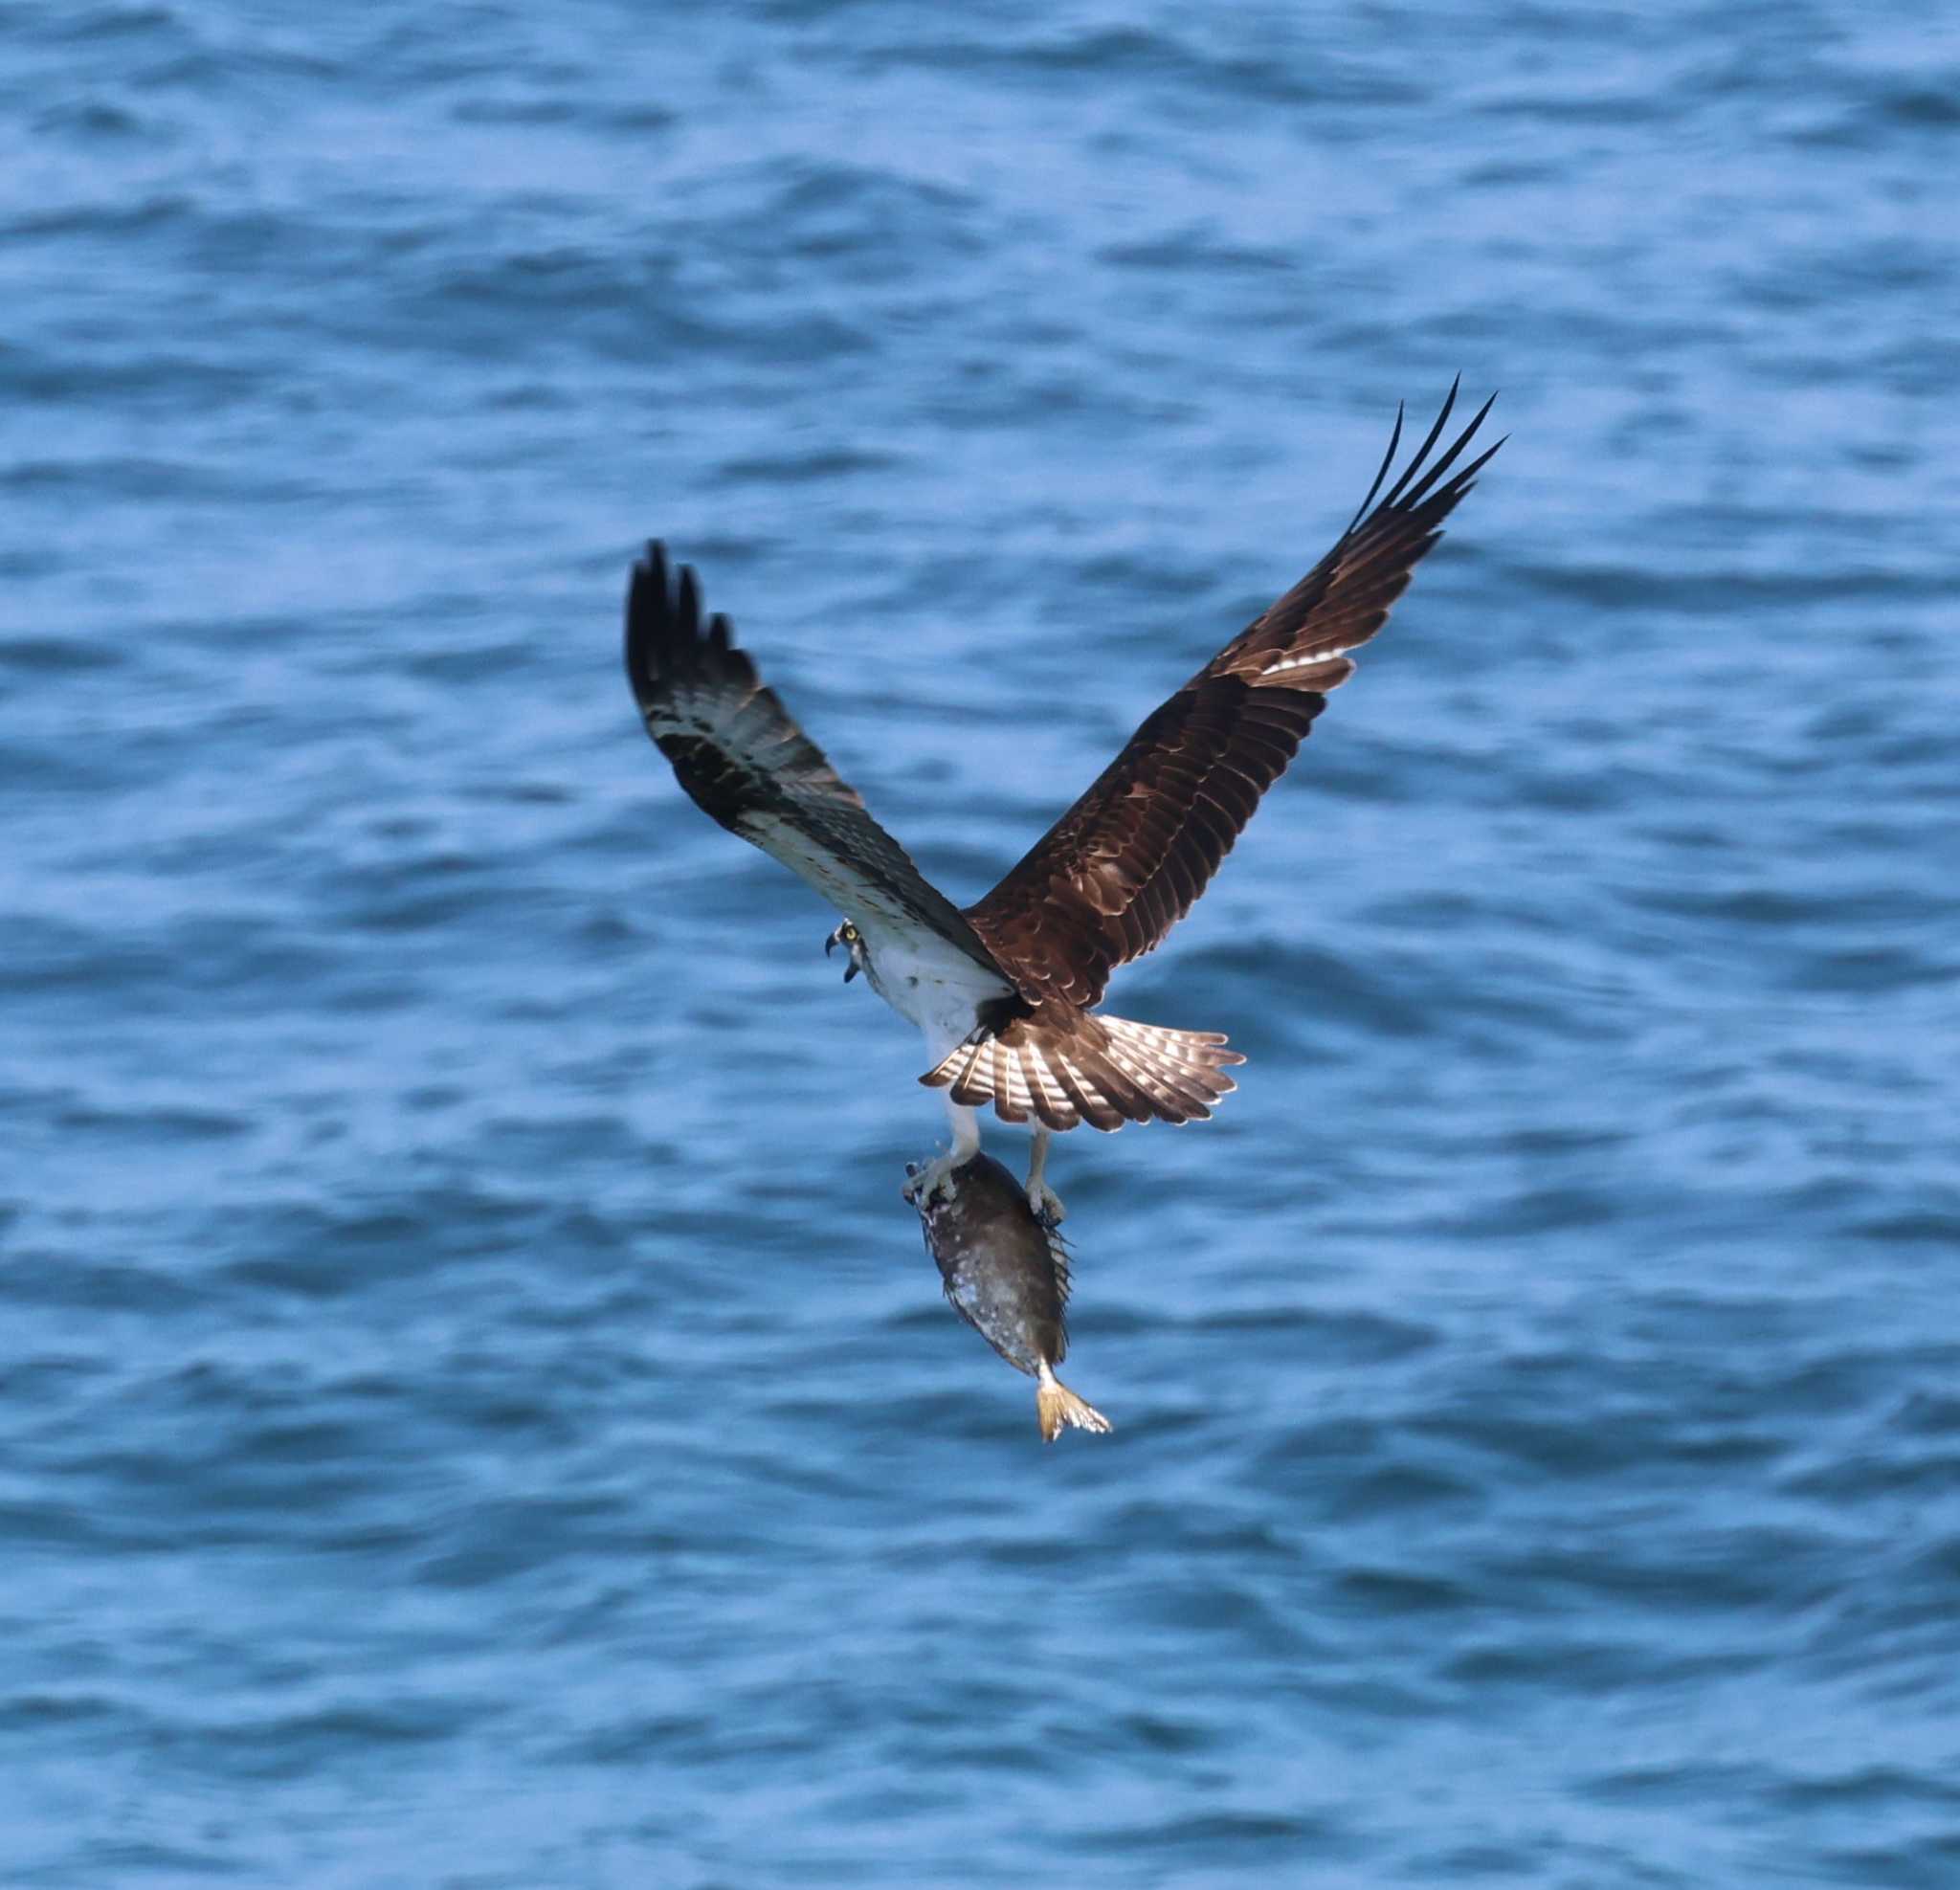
x: 743, y: 760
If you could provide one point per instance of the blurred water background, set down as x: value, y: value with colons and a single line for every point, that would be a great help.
x: 474, y: 1411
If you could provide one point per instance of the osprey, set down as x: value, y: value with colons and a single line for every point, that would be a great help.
x: 1005, y: 991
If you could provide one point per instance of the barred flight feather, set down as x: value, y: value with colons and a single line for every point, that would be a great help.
x: 1175, y: 1094
x: 1070, y: 1068
x: 745, y: 761
x: 1097, y: 1110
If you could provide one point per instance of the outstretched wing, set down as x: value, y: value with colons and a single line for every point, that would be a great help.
x: 1121, y: 867
x: 743, y: 760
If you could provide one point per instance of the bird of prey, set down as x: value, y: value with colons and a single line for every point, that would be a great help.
x: 1006, y: 990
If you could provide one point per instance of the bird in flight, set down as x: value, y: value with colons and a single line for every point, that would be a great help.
x: 1005, y: 991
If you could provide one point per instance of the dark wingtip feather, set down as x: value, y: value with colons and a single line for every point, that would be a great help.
x: 1422, y: 484
x: 1398, y: 493
x: 1482, y: 459
x: 1381, y: 473
x: 662, y: 630
x: 1463, y: 438
x: 646, y: 591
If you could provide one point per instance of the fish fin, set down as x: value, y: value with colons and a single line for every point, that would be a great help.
x: 1056, y: 1404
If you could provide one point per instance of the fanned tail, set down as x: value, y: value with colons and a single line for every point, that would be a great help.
x: 1075, y: 1068
x: 1181, y: 1071
x: 1056, y: 1404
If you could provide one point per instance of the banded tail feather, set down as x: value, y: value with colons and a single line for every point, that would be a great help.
x: 1102, y: 1071
x: 1190, y: 1064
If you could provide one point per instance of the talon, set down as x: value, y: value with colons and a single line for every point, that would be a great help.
x: 1046, y: 1205
x: 922, y: 1183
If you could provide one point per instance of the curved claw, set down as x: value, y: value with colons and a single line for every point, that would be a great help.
x: 922, y: 1183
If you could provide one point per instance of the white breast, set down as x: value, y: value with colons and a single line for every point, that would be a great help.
x: 929, y: 983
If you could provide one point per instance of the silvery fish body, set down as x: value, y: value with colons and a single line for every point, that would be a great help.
x: 1007, y: 1277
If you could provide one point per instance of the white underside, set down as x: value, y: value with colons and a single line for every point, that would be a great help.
x: 926, y: 978
x: 937, y: 988
x: 929, y: 983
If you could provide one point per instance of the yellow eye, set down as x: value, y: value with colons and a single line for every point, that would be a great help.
x: 850, y: 934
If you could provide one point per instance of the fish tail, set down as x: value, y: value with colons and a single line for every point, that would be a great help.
x: 1056, y: 1404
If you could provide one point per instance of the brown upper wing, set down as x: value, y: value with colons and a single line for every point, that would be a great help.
x: 1121, y: 867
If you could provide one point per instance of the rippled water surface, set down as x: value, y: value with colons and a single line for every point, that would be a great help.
x: 474, y: 1411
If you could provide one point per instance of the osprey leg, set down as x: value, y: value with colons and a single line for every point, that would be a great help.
x: 934, y: 1175
x: 1041, y: 1198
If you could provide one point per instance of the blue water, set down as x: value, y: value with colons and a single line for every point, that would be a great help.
x: 473, y: 1410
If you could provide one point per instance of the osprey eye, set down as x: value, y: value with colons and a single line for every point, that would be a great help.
x: 849, y: 935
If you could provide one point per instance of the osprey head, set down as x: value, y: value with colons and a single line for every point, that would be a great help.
x: 852, y: 939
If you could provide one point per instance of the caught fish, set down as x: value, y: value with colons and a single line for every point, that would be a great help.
x: 1007, y: 1277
